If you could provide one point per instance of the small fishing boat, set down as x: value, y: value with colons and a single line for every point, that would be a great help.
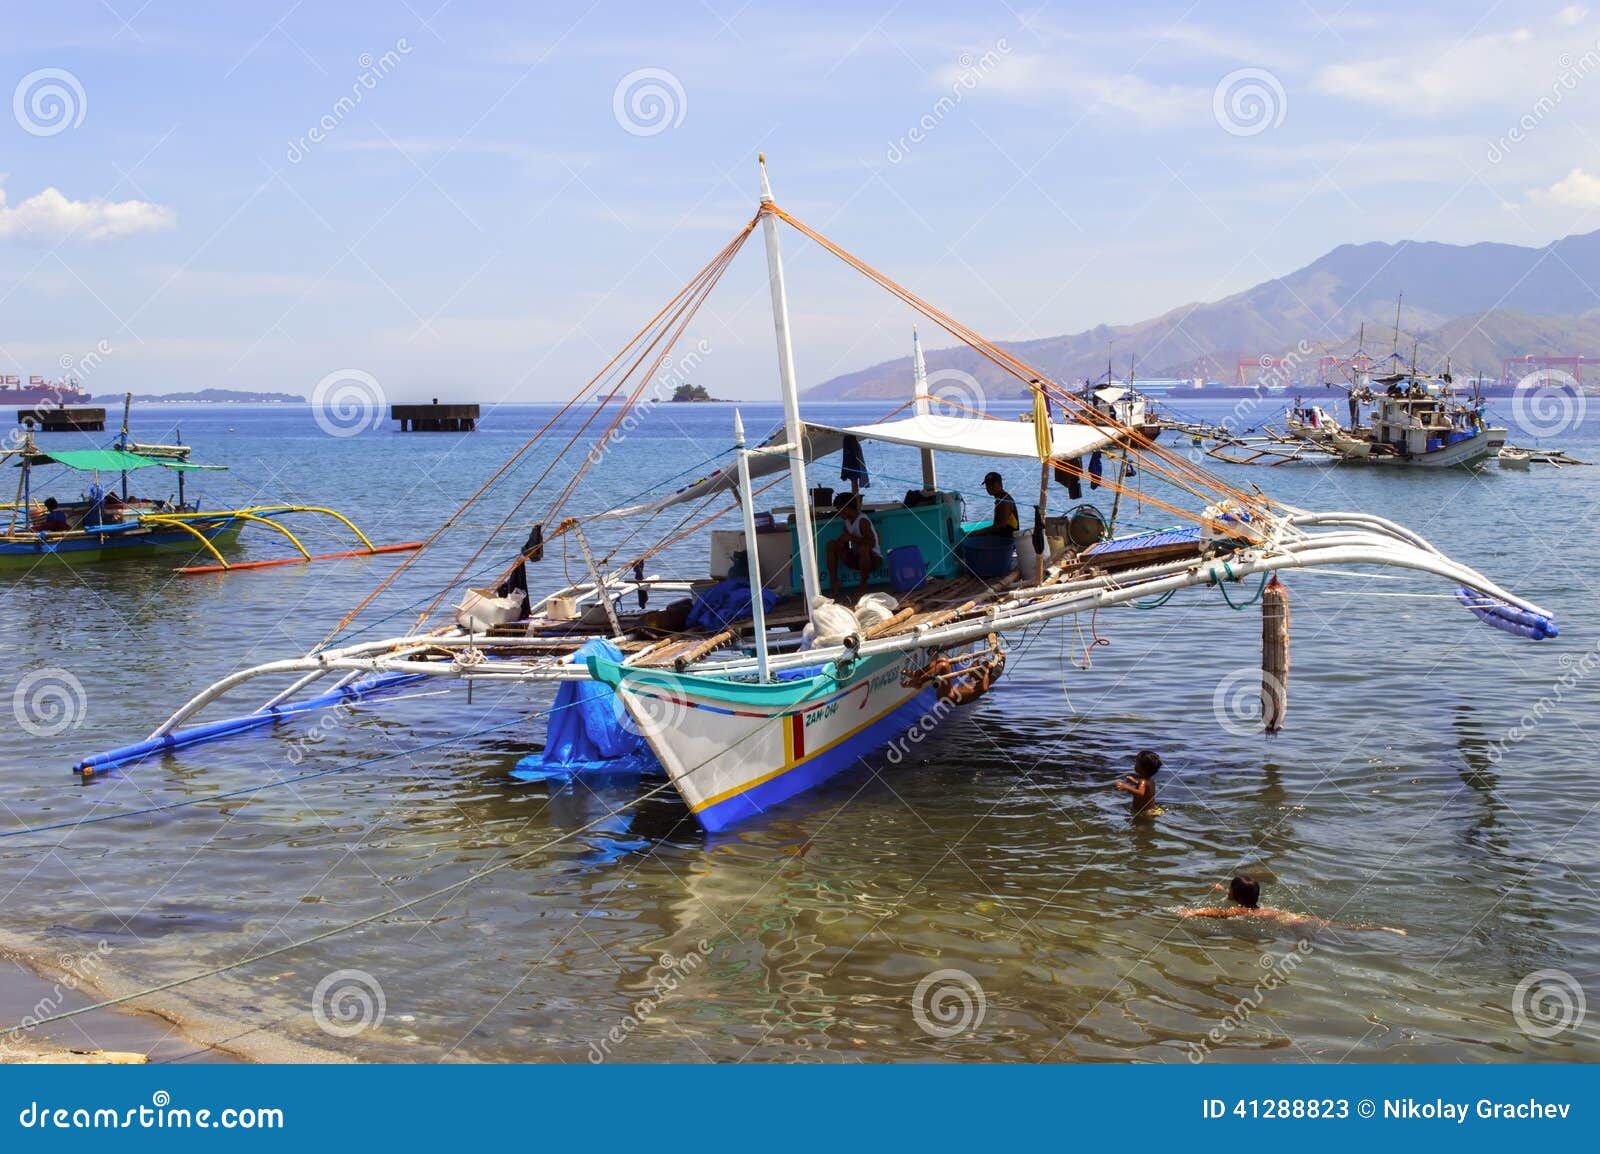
x: 1511, y: 457
x: 751, y: 684
x: 104, y: 520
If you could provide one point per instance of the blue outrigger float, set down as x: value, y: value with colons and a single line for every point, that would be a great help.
x: 749, y: 685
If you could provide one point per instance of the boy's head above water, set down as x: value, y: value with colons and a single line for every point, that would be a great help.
x: 1245, y: 890
x: 1146, y: 763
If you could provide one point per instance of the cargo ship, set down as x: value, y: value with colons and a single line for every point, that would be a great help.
x: 39, y: 391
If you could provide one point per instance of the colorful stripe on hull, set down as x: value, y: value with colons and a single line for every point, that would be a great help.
x: 812, y: 771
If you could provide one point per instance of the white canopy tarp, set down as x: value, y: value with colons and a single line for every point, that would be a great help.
x: 765, y: 460
x: 978, y: 436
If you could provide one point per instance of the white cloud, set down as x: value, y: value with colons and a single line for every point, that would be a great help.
x: 1578, y: 189
x: 1025, y: 75
x: 1572, y: 14
x: 49, y: 217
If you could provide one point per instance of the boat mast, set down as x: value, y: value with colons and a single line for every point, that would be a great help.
x: 791, y: 397
x: 752, y: 551
x: 919, y: 390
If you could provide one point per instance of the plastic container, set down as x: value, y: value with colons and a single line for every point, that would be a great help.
x: 907, y: 569
x: 988, y: 555
x: 1027, y: 555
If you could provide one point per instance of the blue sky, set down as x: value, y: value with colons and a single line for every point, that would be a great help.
x: 497, y: 213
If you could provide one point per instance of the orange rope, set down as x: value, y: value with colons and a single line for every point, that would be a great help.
x: 1181, y: 472
x: 691, y: 300
x: 683, y: 292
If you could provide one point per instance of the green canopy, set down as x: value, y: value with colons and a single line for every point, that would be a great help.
x: 112, y: 461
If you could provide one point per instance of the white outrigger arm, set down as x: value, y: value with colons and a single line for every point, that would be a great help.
x: 1284, y: 542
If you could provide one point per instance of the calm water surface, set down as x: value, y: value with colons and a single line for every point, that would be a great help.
x: 1407, y: 791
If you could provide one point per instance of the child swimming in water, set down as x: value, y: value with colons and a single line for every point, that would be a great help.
x: 1141, y: 783
x: 1246, y: 893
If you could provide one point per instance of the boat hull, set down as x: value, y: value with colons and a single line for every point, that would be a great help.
x: 733, y: 753
x: 132, y: 543
x: 1470, y: 451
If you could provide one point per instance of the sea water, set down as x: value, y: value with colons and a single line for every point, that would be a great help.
x: 984, y: 895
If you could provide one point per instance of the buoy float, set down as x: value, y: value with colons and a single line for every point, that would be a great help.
x: 1274, y: 655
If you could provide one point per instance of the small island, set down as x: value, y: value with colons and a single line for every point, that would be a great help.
x: 694, y: 393
x: 209, y: 397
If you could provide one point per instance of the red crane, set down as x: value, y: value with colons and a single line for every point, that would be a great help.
x: 1514, y: 369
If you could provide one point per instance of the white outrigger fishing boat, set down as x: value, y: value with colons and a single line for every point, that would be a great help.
x: 748, y: 699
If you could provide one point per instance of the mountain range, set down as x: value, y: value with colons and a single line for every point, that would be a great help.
x: 1473, y: 304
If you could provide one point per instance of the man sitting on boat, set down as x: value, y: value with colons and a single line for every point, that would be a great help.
x: 55, y: 517
x: 1005, y: 506
x: 856, y: 547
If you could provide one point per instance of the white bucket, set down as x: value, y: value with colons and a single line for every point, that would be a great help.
x: 1027, y: 558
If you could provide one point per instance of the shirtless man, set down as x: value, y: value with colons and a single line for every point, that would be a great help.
x: 856, y: 547
x: 1246, y: 892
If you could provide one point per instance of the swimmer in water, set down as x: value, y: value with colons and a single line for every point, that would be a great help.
x: 1246, y: 894
x: 1141, y: 783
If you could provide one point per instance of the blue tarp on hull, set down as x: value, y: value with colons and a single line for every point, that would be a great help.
x: 590, y: 731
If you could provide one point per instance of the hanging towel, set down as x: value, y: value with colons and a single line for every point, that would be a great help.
x: 1096, y: 469
x: 854, y: 467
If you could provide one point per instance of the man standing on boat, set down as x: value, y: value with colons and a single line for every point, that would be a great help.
x: 1005, y: 507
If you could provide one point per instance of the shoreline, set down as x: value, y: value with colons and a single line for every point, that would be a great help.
x: 166, y: 1028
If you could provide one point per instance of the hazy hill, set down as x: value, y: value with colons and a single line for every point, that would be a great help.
x: 1481, y: 302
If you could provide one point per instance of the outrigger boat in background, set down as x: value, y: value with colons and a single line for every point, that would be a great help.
x: 750, y: 686
x: 101, y: 522
x: 1414, y: 420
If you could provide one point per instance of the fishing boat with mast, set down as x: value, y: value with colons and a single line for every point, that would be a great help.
x: 104, y: 520
x: 751, y: 684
